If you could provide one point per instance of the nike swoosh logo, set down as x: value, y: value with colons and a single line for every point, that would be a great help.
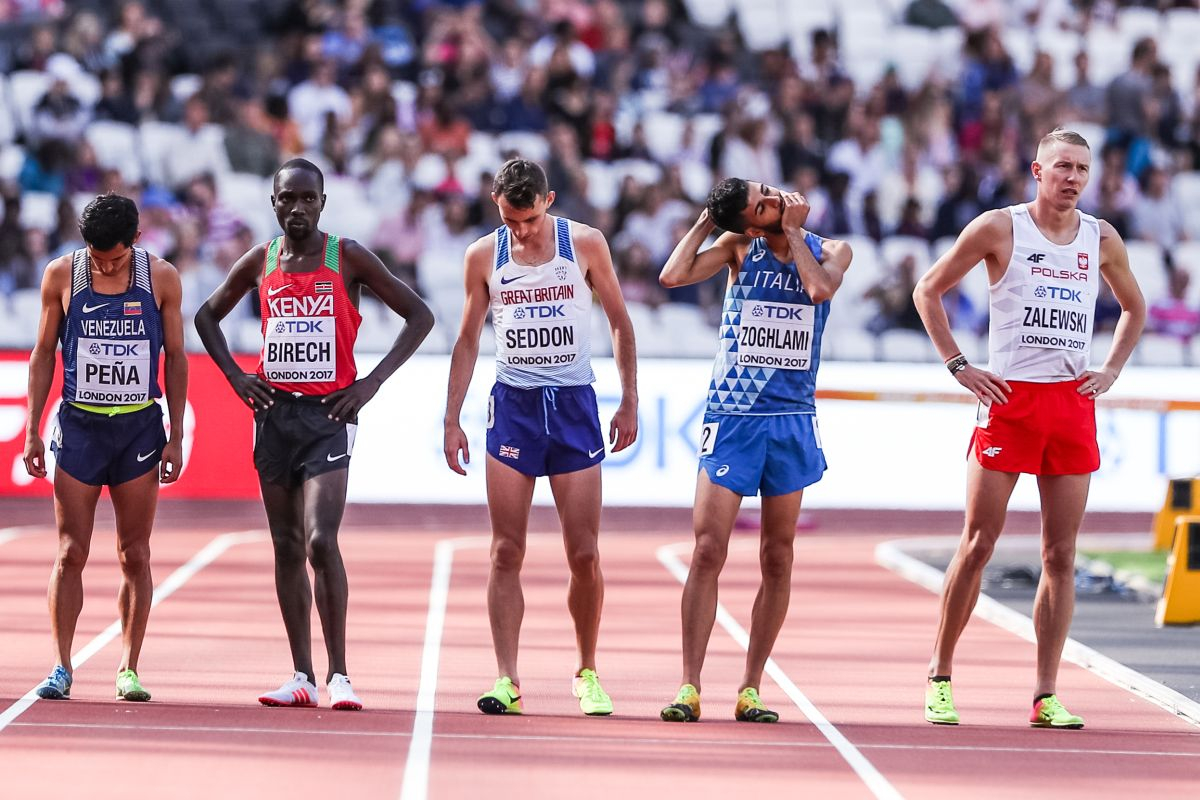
x: 510, y: 280
x: 332, y: 457
x: 276, y: 290
x: 89, y: 309
x: 594, y: 453
x: 144, y: 457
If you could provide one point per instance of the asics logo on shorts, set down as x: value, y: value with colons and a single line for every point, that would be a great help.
x: 992, y: 452
x: 722, y: 470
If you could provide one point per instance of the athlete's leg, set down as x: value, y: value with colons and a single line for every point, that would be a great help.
x: 577, y: 496
x: 712, y: 520
x: 75, y: 512
x: 285, y: 518
x: 779, y: 514
x: 1063, y: 501
x: 134, y: 503
x: 324, y: 503
x: 510, y: 494
x: 987, y: 505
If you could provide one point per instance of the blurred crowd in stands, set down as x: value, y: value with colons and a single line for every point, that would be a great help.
x: 899, y: 120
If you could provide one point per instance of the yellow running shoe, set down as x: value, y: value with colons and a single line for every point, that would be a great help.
x: 751, y: 709
x: 130, y: 688
x: 1049, y: 713
x: 685, y: 707
x: 504, y: 698
x: 939, y: 703
x: 593, y: 700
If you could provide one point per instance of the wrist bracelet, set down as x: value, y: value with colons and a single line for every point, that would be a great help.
x: 957, y: 364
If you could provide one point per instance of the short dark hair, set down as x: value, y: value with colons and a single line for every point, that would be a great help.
x: 727, y: 201
x: 109, y: 220
x: 521, y: 182
x: 300, y: 164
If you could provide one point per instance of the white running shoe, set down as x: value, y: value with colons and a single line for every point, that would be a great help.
x: 299, y: 692
x: 341, y: 694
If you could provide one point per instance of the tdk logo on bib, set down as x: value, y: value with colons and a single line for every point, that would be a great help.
x: 313, y: 326
x: 114, y: 349
x: 783, y: 312
x: 540, y: 312
x: 1059, y: 293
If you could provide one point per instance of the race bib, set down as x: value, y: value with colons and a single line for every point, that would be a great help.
x: 1057, y: 317
x: 112, y: 372
x: 300, y: 350
x: 539, y: 335
x: 776, y: 335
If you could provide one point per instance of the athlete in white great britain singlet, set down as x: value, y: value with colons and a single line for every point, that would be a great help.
x: 760, y: 428
x: 1037, y: 399
x: 536, y: 274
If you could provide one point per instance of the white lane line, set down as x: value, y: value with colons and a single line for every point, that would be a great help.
x: 893, y: 556
x: 873, y: 778
x: 174, y: 581
x: 16, y: 532
x: 135, y: 727
x: 416, y: 766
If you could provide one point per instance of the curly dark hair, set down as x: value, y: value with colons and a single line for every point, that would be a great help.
x: 726, y: 203
x: 521, y: 182
x: 109, y: 220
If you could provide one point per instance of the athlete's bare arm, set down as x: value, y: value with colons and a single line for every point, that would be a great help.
x: 1114, y: 268
x: 168, y: 292
x: 597, y: 261
x: 687, y: 265
x: 820, y: 279
x: 476, y: 269
x: 987, y: 238
x: 240, y: 281
x: 364, y: 268
x: 56, y: 285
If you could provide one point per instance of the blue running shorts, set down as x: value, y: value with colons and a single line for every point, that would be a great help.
x: 770, y: 454
x: 107, y: 450
x: 546, y: 430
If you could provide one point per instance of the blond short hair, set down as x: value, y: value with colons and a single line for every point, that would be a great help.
x: 1061, y: 135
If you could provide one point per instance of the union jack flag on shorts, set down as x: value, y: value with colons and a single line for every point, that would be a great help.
x: 509, y: 452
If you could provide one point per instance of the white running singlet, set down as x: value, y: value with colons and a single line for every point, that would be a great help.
x: 541, y: 315
x: 1043, y: 310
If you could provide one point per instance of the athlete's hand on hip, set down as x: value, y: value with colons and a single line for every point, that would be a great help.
x: 624, y: 426
x: 253, y: 390
x: 35, y: 456
x: 172, y: 462
x: 455, y: 442
x: 795, y: 210
x: 987, y: 387
x: 346, y: 402
x: 1094, y: 384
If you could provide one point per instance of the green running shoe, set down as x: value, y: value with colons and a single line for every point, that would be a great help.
x: 130, y: 688
x: 504, y: 698
x: 593, y: 700
x: 751, y: 709
x: 1049, y: 713
x: 939, y: 704
x: 685, y: 707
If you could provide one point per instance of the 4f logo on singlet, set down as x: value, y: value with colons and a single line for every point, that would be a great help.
x: 300, y: 341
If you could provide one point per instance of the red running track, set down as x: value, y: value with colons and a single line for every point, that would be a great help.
x: 855, y: 644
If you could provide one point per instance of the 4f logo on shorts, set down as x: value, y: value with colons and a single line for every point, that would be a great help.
x: 992, y: 452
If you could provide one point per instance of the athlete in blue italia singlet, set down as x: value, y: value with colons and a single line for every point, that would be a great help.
x: 536, y: 275
x: 115, y: 308
x: 760, y: 429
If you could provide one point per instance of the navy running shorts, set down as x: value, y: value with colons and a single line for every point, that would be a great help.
x: 548, y: 430
x: 104, y: 449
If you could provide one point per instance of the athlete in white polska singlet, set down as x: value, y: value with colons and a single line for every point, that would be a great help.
x: 536, y: 274
x: 115, y: 308
x: 760, y: 428
x: 1037, y: 398
x: 306, y: 394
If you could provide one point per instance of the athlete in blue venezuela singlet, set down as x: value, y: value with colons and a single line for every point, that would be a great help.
x: 760, y: 431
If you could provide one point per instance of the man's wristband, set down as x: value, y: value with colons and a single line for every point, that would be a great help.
x: 957, y: 364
